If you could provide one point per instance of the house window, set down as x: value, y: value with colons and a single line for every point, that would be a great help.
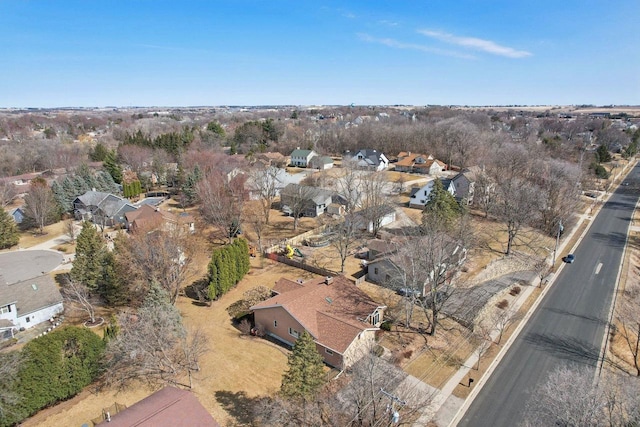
x: 328, y: 351
x: 293, y: 333
x: 375, y: 319
x: 5, y: 309
x: 375, y: 270
x: 275, y: 323
x: 28, y: 319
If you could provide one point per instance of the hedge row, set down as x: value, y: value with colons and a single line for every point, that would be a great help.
x: 227, y: 267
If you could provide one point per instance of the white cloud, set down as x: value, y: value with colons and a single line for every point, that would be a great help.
x: 411, y: 46
x: 477, y: 44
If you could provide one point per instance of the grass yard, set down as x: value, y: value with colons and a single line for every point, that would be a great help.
x: 30, y: 238
x: 234, y: 369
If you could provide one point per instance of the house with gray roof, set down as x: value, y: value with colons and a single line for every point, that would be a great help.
x: 321, y: 162
x: 29, y: 302
x: 102, y: 208
x: 304, y: 200
x: 301, y: 158
x: 367, y: 158
x: 420, y: 195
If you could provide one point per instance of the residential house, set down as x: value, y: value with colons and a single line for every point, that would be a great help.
x: 465, y: 182
x: 367, y: 158
x: 321, y: 162
x: 281, y: 177
x: 309, y: 201
x: 102, y: 208
x: 272, y: 159
x: 149, y: 218
x: 27, y: 303
x: 168, y: 407
x: 301, y: 158
x: 17, y: 214
x: 419, y: 163
x: 342, y: 319
x: 385, y: 267
x: 385, y: 215
x: 420, y: 195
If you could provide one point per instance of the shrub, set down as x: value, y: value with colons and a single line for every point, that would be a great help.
x: 515, y: 290
x: 386, y: 325
x: 407, y: 354
x: 55, y: 367
x: 503, y: 304
x: 245, y: 326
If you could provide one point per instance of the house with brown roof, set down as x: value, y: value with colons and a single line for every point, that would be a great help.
x: 147, y: 217
x: 169, y: 407
x: 419, y: 163
x: 341, y: 318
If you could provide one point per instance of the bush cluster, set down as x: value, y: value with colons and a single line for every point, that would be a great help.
x: 227, y: 267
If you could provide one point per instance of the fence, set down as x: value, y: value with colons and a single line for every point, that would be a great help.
x: 299, y: 264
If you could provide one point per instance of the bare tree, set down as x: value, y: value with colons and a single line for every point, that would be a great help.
x: 613, y: 401
x: 628, y: 318
x: 80, y: 296
x: 502, y: 319
x: 344, y: 237
x: 161, y: 256
x: 7, y: 192
x: 40, y: 205
x: 295, y: 199
x: 153, y: 346
x: 70, y: 230
x: 374, y: 387
x: 376, y: 202
x: 263, y: 183
x: 221, y: 203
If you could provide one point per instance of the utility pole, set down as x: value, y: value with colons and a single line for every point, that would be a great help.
x: 555, y: 250
x: 395, y: 415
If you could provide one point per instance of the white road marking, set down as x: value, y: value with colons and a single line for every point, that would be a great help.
x: 598, y: 268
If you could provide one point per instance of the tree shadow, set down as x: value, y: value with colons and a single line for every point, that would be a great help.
x: 238, y: 405
x: 567, y: 348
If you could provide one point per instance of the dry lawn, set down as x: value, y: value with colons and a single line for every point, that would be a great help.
x: 31, y: 238
x: 234, y: 369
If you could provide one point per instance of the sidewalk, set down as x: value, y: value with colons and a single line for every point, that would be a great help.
x: 447, y: 409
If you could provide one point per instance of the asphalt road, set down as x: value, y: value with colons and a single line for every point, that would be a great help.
x: 17, y: 266
x: 569, y: 324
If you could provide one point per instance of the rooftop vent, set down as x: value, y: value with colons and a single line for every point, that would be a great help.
x: 34, y: 286
x: 328, y: 280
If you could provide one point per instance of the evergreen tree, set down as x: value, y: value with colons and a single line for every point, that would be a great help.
x: 90, y: 252
x: 602, y: 154
x: 305, y: 375
x: 441, y: 209
x: 65, y: 203
x: 69, y: 189
x: 9, y: 235
x: 99, y: 152
x: 111, y: 165
x: 110, y: 284
x: 80, y: 185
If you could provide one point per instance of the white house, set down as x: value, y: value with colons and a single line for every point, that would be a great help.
x: 321, y: 163
x: 28, y: 303
x: 420, y: 196
x: 301, y: 158
x: 368, y: 158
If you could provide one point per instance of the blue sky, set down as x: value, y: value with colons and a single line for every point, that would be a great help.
x: 249, y: 52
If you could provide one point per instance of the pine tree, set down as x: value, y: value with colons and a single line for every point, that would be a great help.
x: 111, y: 165
x: 90, y: 252
x: 110, y: 284
x: 305, y: 375
x: 66, y: 204
x: 441, y: 209
x: 9, y: 235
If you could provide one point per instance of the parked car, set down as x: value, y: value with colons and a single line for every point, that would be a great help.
x: 570, y: 258
x: 407, y: 292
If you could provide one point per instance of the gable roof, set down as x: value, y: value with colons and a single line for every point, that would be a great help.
x: 92, y: 198
x: 169, y: 407
x: 334, y: 314
x: 317, y: 195
x: 30, y: 295
x: 301, y: 153
x: 370, y: 156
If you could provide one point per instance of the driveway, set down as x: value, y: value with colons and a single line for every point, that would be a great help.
x: 17, y: 266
